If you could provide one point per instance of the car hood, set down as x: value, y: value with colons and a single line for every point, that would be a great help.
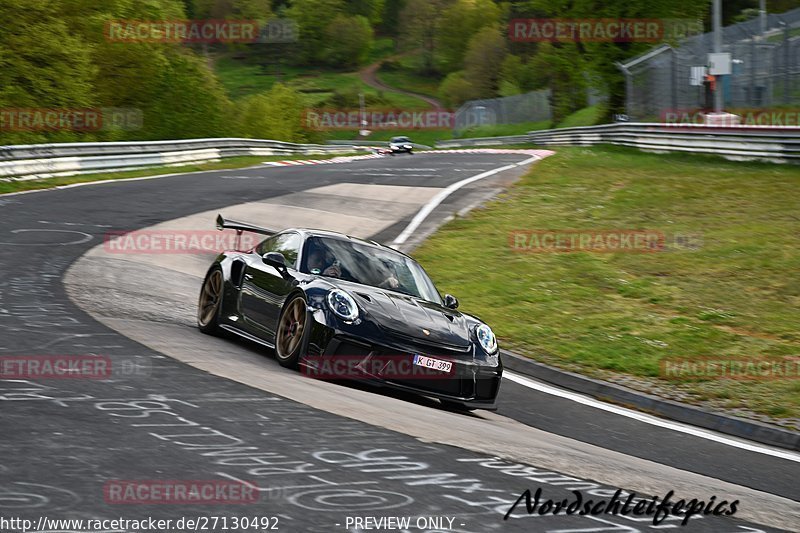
x: 412, y: 317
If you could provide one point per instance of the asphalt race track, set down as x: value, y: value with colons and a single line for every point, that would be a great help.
x: 180, y: 405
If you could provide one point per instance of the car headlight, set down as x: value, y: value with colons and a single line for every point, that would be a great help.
x: 486, y: 338
x: 342, y: 304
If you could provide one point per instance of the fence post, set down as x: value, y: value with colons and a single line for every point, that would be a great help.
x: 675, y: 81
x: 786, y: 70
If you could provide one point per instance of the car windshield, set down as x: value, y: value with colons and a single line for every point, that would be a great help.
x: 368, y: 265
x: 400, y: 140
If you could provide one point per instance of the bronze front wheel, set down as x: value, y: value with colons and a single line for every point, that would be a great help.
x: 292, y: 326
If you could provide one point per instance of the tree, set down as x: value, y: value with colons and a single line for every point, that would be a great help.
x: 462, y: 19
x: 371, y: 9
x: 56, y: 55
x: 419, y: 28
x: 600, y: 58
x: 312, y: 18
x: 390, y: 17
x: 191, y: 101
x: 349, y: 41
x: 233, y: 9
x: 43, y: 62
x: 563, y: 70
x: 484, y: 60
x: 43, y: 65
x: 252, y: 9
x: 512, y: 73
x: 177, y: 92
x: 212, y: 9
x: 276, y: 114
x: 455, y: 90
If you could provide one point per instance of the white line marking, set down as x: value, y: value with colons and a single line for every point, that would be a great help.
x: 158, y: 176
x: 439, y: 198
x: 648, y: 419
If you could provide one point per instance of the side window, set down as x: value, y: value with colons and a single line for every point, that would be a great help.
x: 289, y: 245
x: 286, y: 243
x: 267, y: 245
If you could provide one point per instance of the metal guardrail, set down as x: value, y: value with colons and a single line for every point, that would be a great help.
x: 777, y: 144
x: 484, y: 141
x: 45, y: 160
x: 381, y: 144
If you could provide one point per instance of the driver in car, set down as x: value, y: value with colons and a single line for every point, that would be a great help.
x: 323, y: 262
x: 317, y: 264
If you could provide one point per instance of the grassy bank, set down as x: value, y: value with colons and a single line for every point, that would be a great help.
x: 619, y: 316
x: 246, y: 75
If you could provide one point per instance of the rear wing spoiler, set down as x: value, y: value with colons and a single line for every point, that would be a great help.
x: 223, y: 224
x: 241, y: 227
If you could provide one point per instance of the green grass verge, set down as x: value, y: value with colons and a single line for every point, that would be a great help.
x: 320, y: 86
x: 588, y: 116
x: 500, y: 130
x: 382, y: 48
x: 243, y: 75
x: 618, y: 316
x: 231, y: 163
x: 405, y: 72
x: 410, y: 80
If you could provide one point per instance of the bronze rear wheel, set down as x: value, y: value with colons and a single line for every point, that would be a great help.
x: 208, y: 307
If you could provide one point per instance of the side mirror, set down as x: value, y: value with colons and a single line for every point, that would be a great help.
x: 276, y: 260
x: 450, y: 301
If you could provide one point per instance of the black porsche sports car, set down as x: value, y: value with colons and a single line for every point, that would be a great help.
x: 345, y: 308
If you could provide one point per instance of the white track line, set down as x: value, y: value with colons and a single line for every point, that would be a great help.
x: 439, y: 198
x: 648, y: 419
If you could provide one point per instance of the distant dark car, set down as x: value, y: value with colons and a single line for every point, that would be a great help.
x: 325, y: 300
x: 399, y: 145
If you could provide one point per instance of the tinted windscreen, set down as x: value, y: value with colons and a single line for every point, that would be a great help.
x: 367, y: 265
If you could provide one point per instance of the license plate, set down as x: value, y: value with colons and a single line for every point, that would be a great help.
x: 435, y: 364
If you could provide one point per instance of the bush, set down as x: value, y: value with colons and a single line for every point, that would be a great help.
x: 276, y: 115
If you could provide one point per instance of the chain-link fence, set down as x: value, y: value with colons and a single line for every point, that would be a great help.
x: 528, y: 107
x: 765, y: 71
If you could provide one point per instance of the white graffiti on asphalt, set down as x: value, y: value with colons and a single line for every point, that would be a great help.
x: 85, y: 237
